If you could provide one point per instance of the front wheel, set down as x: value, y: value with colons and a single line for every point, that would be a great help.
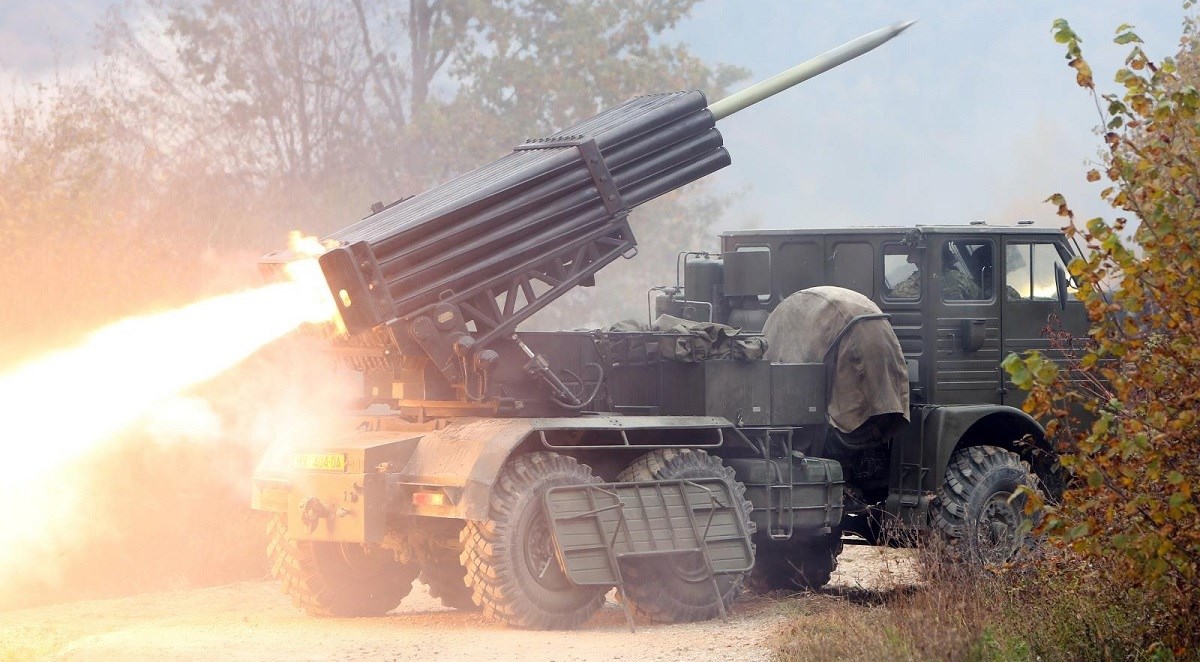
x: 510, y: 562
x: 980, y: 508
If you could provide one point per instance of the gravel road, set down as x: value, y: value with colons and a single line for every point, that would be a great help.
x: 254, y: 621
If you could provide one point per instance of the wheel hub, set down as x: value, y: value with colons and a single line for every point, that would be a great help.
x: 540, y: 557
x: 996, y: 529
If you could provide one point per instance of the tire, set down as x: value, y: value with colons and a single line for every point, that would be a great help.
x: 667, y: 590
x: 445, y: 576
x: 337, y: 579
x: 771, y: 572
x: 510, y: 561
x: 816, y: 562
x: 976, y: 510
x: 806, y: 566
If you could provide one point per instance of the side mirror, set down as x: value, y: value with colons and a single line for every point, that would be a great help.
x: 1060, y: 285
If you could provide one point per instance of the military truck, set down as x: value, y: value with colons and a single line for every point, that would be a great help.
x: 959, y: 299
x: 794, y: 388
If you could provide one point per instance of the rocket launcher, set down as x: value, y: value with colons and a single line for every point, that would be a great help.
x: 450, y: 270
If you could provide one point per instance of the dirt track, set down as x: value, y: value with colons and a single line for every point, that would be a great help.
x: 253, y: 621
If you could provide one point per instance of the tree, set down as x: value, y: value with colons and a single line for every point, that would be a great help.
x: 70, y: 191
x: 368, y: 100
x: 1134, y: 458
x: 306, y: 112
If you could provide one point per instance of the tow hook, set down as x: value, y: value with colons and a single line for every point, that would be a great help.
x: 311, y: 512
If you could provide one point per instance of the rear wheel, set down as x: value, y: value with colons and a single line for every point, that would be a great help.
x: 443, y: 572
x: 980, y: 508
x: 679, y: 589
x: 808, y: 565
x: 337, y: 579
x: 510, y: 562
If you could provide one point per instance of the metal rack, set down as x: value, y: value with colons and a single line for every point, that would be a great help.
x: 598, y: 526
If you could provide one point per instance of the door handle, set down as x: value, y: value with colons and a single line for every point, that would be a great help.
x: 972, y: 334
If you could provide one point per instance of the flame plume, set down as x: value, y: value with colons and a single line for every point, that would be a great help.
x: 61, y: 406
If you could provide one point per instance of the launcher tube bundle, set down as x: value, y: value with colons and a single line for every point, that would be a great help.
x: 512, y: 213
x: 456, y: 267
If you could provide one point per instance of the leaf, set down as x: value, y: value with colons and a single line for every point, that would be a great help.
x: 1078, y: 531
x: 1063, y: 32
x: 1127, y: 37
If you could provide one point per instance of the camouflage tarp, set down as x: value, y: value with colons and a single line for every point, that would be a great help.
x: 698, y: 341
x: 702, y: 341
x: 870, y: 377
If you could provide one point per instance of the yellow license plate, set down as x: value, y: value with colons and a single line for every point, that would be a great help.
x: 321, y: 461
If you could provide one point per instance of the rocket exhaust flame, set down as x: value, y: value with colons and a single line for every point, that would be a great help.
x: 62, y: 406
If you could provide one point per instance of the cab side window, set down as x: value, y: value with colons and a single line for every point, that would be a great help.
x: 901, y: 272
x: 1029, y: 272
x: 968, y: 270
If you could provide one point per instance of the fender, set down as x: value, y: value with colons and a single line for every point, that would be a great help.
x: 465, y: 457
x: 958, y: 426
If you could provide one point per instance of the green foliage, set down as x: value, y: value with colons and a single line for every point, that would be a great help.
x: 1135, y: 454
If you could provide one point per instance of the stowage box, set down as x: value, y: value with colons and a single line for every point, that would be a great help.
x: 814, y: 500
x: 763, y: 393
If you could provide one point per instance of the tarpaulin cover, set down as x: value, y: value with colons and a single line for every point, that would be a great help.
x: 692, y: 341
x: 870, y: 377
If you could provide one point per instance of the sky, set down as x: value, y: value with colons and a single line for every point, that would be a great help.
x: 970, y: 114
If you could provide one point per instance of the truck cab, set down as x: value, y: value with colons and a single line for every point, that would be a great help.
x: 959, y: 297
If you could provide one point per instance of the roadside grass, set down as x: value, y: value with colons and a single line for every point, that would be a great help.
x: 1049, y: 608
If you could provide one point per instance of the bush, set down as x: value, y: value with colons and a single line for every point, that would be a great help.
x: 1133, y: 456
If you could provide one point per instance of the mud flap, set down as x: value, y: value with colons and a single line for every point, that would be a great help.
x: 597, y: 526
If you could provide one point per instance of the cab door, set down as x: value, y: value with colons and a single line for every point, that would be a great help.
x: 966, y: 315
x: 1031, y: 301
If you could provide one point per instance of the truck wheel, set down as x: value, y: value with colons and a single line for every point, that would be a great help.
x: 337, y: 579
x: 806, y: 566
x: 678, y: 590
x: 976, y: 510
x: 445, y: 576
x: 510, y: 560
x: 437, y: 546
x: 817, y: 562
